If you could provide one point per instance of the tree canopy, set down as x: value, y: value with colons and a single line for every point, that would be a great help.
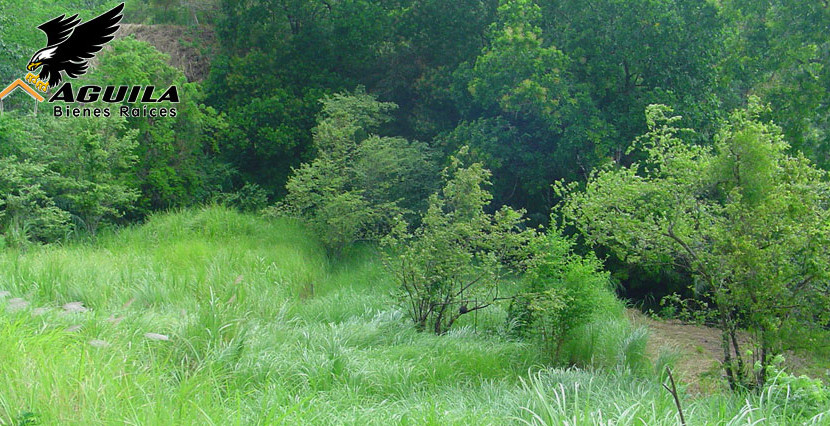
x: 749, y: 222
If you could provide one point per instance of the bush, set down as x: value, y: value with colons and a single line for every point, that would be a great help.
x: 359, y: 183
x: 175, y: 162
x: 57, y: 170
x: 744, y: 217
x: 800, y: 395
x: 250, y: 198
x: 454, y: 263
x: 564, y: 291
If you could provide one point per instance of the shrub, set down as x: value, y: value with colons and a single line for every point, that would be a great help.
x: 801, y: 396
x: 564, y: 291
x: 250, y: 198
x: 744, y: 217
x: 454, y: 263
x: 360, y: 182
x: 54, y: 170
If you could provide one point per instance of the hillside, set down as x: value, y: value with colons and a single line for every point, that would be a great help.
x: 213, y: 317
x: 190, y: 49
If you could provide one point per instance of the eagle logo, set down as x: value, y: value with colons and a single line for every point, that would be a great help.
x: 70, y: 46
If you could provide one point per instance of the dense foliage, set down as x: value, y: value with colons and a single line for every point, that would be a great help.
x: 539, y: 91
x: 59, y: 170
x: 563, y: 292
x: 359, y: 183
x: 748, y: 221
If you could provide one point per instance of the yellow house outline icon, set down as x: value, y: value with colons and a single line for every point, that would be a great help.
x: 19, y: 83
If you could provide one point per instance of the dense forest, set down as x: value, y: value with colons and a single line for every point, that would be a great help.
x: 524, y: 174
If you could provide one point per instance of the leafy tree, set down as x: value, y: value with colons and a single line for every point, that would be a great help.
x: 455, y: 261
x: 176, y: 155
x: 426, y: 42
x: 278, y: 59
x: 26, y: 211
x: 747, y: 220
x: 632, y: 53
x: 359, y: 182
x: 530, y: 121
x: 59, y: 168
x: 93, y: 161
x: 778, y: 50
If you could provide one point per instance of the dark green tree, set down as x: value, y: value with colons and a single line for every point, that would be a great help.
x: 176, y: 156
x: 531, y: 122
x: 638, y: 52
x: 779, y: 51
x: 360, y: 183
x: 61, y: 168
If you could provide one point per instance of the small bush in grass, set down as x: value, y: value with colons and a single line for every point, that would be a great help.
x: 359, y: 182
x: 564, y: 291
x: 455, y: 262
x: 800, y: 396
x: 250, y: 198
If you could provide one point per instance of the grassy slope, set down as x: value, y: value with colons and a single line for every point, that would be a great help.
x: 264, y: 330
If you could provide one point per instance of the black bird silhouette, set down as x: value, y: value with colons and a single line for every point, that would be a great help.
x: 70, y: 46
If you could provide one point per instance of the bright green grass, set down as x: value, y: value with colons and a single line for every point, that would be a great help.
x: 263, y: 329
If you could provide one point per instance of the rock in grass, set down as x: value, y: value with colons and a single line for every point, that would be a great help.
x: 115, y: 320
x: 156, y: 336
x: 4, y: 294
x: 16, y: 304
x: 75, y: 307
x: 73, y: 328
x: 97, y: 343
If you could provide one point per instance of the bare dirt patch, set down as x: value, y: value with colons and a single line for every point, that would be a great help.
x: 190, y: 49
x: 699, y: 349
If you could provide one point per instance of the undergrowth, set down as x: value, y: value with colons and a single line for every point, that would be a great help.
x: 216, y: 317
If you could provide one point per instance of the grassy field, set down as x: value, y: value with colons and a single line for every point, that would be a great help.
x: 214, y: 317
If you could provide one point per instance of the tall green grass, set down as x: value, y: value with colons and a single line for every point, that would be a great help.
x: 213, y: 317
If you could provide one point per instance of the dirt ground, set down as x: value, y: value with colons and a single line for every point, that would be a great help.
x: 189, y: 48
x: 698, y: 348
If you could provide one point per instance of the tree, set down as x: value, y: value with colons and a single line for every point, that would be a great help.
x: 93, y: 160
x: 359, y: 182
x: 455, y: 261
x: 278, y: 58
x: 426, y: 42
x: 632, y: 53
x: 779, y: 52
x: 528, y: 120
x: 26, y: 210
x: 750, y: 222
x: 57, y: 168
x: 176, y: 160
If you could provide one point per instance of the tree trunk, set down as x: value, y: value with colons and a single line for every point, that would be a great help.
x: 438, y: 319
x: 762, y: 375
x: 727, y: 353
x: 741, y: 371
